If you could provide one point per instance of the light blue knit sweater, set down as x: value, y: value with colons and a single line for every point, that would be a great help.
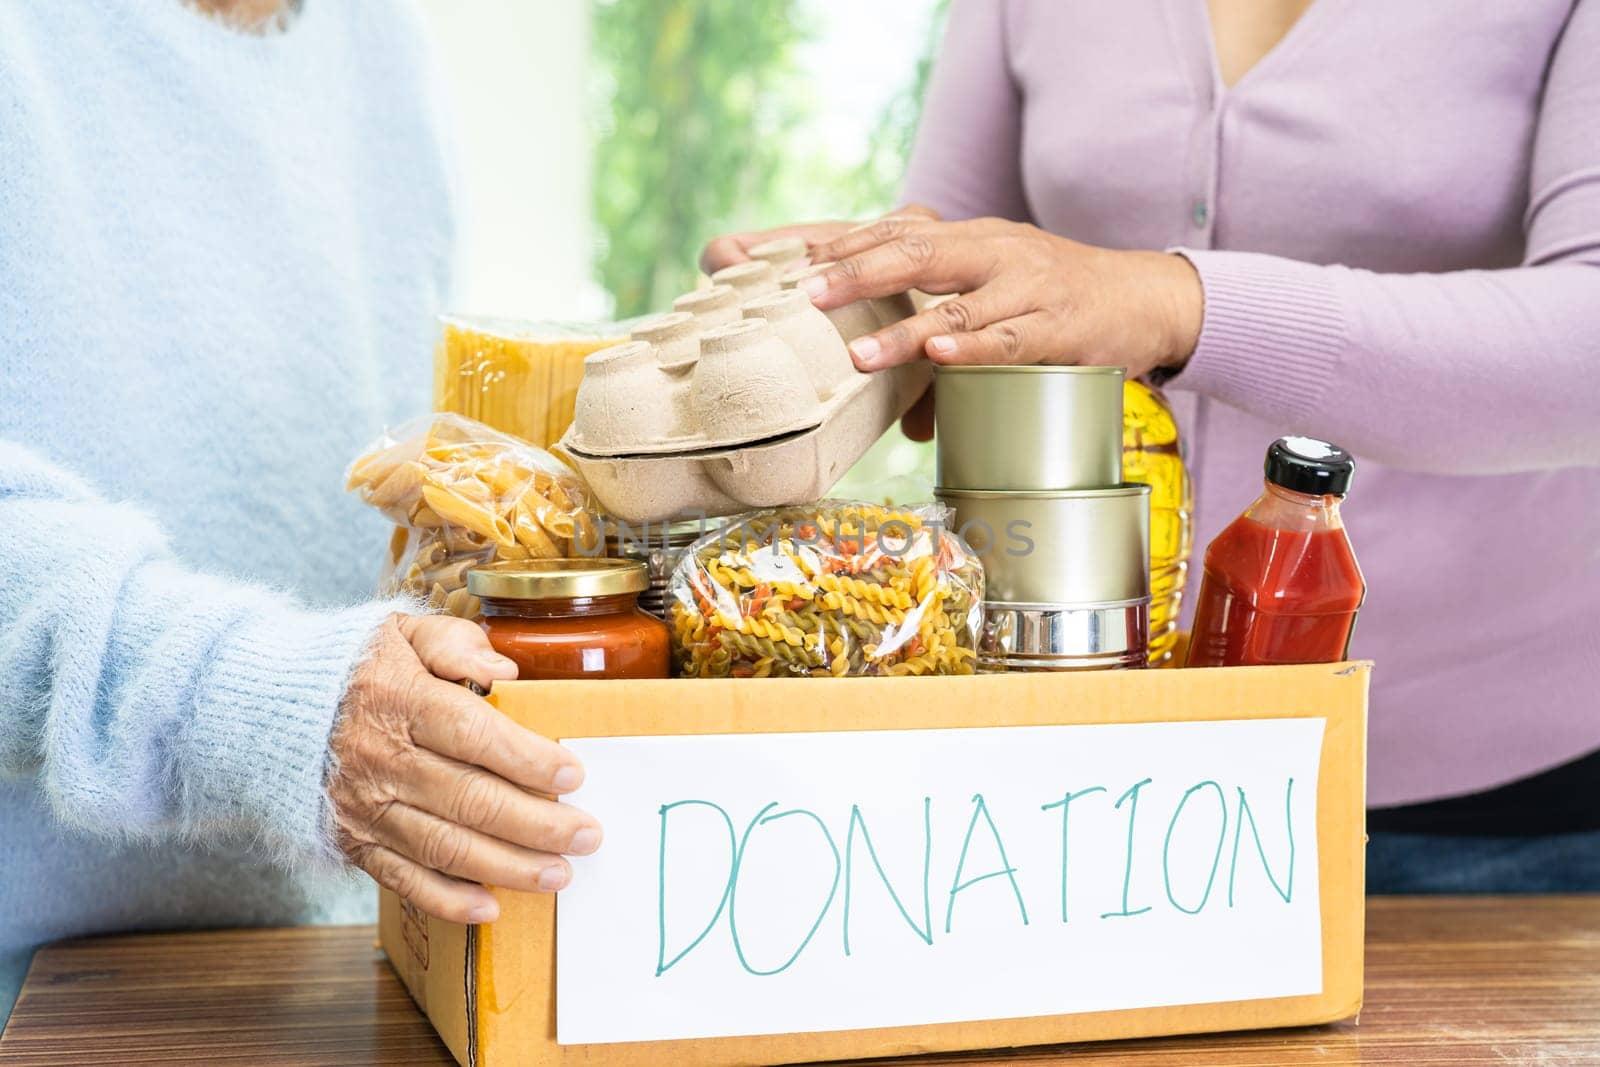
x: 219, y: 260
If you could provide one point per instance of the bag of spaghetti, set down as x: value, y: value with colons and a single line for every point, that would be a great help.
x: 462, y: 495
x: 828, y: 590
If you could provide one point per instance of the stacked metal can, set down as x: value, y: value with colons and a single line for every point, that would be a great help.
x: 1030, y: 460
x: 658, y: 545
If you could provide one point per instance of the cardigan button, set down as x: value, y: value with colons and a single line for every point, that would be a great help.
x: 1200, y: 213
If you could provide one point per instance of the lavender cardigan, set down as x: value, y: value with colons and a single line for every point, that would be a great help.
x: 1396, y: 220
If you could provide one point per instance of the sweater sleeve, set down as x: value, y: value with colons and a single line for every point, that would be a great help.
x: 967, y: 159
x: 1471, y: 372
x: 147, y: 700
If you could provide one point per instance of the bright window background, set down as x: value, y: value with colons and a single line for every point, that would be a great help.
x: 601, y: 144
x: 514, y: 73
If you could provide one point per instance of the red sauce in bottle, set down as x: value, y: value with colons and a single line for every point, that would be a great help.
x: 1281, y: 583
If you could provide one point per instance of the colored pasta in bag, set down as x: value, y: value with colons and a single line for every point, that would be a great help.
x: 463, y: 495
x: 829, y: 590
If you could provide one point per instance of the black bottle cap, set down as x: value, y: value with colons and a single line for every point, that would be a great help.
x: 1306, y: 465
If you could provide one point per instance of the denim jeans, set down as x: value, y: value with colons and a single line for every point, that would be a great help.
x: 1450, y: 863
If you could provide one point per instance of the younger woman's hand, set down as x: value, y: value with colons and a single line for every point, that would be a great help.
x: 1027, y: 296
x: 733, y: 248
x: 435, y: 790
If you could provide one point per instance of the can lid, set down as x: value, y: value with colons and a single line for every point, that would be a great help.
x: 552, y: 579
x: 1307, y: 465
x: 1057, y: 369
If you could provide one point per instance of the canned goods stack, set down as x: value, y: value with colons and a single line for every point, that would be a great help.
x: 1030, y: 461
x: 659, y: 546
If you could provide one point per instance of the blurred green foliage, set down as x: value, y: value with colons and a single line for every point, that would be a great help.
x: 882, y: 172
x: 698, y: 105
x: 688, y: 131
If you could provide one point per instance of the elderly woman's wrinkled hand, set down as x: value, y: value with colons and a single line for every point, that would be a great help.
x: 1027, y: 296
x: 435, y: 791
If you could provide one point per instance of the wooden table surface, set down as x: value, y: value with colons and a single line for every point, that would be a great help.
x: 1451, y: 981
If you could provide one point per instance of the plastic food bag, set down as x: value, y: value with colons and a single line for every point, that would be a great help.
x: 520, y: 377
x: 463, y: 495
x: 830, y: 589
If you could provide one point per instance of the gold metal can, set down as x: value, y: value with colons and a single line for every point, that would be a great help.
x: 1072, y: 548
x: 1032, y: 428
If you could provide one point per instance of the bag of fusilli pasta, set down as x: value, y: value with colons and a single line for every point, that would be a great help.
x: 828, y: 590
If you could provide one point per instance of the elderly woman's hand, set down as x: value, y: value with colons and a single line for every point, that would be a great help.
x: 435, y: 789
x: 1027, y: 296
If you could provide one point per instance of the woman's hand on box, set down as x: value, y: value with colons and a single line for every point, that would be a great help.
x: 1028, y: 296
x: 733, y: 248
x: 434, y: 790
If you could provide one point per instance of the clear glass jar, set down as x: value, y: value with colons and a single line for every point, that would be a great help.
x: 572, y: 618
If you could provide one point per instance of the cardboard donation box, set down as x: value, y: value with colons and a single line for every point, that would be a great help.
x: 800, y: 870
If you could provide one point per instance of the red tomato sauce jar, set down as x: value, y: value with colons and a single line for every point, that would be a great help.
x: 1281, y: 583
x: 572, y: 618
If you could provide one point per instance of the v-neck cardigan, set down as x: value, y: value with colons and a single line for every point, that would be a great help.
x: 1395, y: 216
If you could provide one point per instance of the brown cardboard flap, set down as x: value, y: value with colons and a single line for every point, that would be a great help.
x: 431, y: 957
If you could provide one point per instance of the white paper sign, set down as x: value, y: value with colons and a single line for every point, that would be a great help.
x: 787, y: 883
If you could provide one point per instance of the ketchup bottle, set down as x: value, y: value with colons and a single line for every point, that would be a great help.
x: 1281, y: 582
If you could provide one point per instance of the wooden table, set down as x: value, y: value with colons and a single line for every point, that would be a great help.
x: 1451, y: 981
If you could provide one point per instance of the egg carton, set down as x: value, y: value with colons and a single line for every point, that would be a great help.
x: 743, y: 396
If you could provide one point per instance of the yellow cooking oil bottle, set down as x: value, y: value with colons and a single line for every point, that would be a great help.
x: 1152, y: 454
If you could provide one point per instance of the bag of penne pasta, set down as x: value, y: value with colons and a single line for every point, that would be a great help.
x: 828, y: 590
x: 462, y: 495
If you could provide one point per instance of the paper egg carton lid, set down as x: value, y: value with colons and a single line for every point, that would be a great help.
x: 723, y: 481
x: 739, y: 390
x: 702, y: 379
x: 687, y: 409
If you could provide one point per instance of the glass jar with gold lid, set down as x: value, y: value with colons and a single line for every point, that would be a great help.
x: 572, y: 618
